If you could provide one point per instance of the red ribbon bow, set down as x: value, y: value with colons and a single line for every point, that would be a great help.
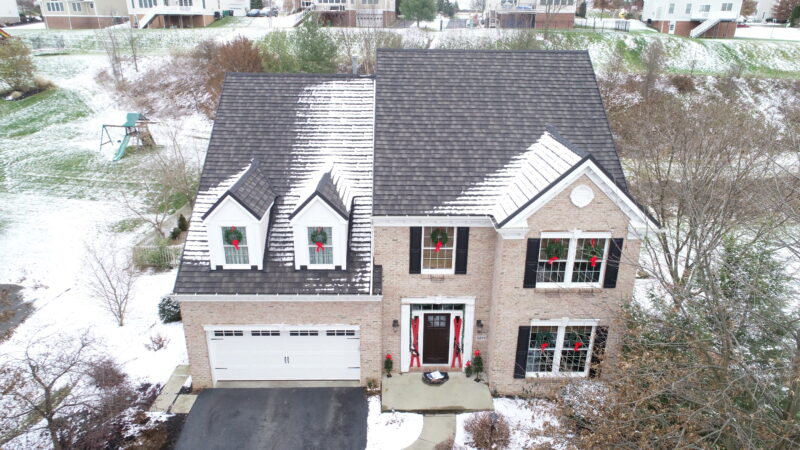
x: 578, y: 345
x: 438, y: 246
x: 235, y: 243
x: 320, y: 246
x: 593, y: 261
x: 544, y: 345
x: 552, y: 260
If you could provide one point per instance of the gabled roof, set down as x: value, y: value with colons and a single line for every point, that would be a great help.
x: 446, y: 120
x: 251, y: 190
x: 327, y: 192
x: 295, y: 126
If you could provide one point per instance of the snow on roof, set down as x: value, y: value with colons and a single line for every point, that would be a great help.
x: 502, y: 193
x: 303, y: 129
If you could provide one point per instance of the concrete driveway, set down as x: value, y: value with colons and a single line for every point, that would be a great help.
x: 277, y: 418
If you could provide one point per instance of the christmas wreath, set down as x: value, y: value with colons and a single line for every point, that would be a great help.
x: 439, y: 236
x: 594, y: 252
x: 319, y: 237
x: 555, y: 249
x: 233, y: 237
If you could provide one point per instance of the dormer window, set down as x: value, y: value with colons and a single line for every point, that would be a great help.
x: 234, y: 245
x: 320, y: 246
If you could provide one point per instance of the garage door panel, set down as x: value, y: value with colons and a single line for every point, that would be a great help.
x: 285, y: 353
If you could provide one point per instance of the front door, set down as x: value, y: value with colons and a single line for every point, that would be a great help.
x: 436, y: 339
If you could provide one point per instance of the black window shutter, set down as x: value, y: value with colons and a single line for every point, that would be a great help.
x: 523, y: 340
x: 462, y: 244
x: 598, y: 350
x: 415, y: 250
x: 612, y: 265
x: 531, y: 263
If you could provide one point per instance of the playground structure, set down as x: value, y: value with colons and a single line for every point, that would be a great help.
x: 137, y: 134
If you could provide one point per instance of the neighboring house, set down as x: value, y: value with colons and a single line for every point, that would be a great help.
x: 531, y: 13
x: 182, y: 13
x: 9, y: 13
x: 342, y: 218
x: 69, y: 15
x: 352, y: 13
x: 764, y: 10
x: 694, y: 18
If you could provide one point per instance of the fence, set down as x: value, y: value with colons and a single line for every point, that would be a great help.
x: 604, y: 24
x: 157, y: 256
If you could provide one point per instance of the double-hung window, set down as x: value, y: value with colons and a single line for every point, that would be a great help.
x: 320, y: 246
x: 234, y: 245
x: 76, y: 7
x: 705, y: 8
x: 572, y: 259
x: 55, y: 6
x: 560, y: 348
x: 438, y: 249
x: 688, y: 8
x: 671, y: 8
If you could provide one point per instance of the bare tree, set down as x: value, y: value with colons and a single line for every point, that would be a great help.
x: 108, y: 40
x: 132, y: 39
x: 111, y: 278
x: 179, y: 166
x: 653, y: 58
x: 42, y: 387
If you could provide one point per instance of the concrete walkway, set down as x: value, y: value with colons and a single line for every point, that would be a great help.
x: 460, y: 394
x: 436, y: 428
x: 169, y: 400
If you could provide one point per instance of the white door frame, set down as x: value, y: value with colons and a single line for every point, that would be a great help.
x: 468, y: 319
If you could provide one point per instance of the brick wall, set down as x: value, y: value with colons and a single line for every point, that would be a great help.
x: 77, y: 22
x: 197, y: 314
x: 514, y: 306
x: 392, y: 252
x: 722, y: 30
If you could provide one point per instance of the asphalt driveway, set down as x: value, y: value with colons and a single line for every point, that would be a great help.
x: 277, y: 418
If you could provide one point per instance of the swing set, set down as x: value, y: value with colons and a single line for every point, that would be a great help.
x: 137, y: 134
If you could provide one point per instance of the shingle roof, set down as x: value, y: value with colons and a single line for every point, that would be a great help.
x: 327, y: 191
x: 295, y: 126
x: 445, y: 120
x: 251, y: 190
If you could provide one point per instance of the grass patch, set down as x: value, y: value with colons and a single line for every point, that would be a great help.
x: 31, y: 114
x: 127, y: 225
x: 228, y: 21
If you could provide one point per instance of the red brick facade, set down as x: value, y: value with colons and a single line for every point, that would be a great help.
x: 541, y: 20
x: 177, y: 21
x: 80, y: 22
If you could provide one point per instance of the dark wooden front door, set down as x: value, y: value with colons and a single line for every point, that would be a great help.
x: 437, y: 339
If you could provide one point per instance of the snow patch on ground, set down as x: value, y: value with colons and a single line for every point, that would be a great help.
x: 391, y: 430
x: 527, y: 420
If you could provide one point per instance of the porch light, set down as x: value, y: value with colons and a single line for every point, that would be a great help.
x: 480, y: 323
x: 395, y: 324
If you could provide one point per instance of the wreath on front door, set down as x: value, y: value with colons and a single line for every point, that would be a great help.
x: 233, y: 237
x: 439, y: 236
x: 320, y: 238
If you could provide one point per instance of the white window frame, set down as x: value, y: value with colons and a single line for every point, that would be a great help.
x: 245, y: 247
x: 452, y: 269
x: 76, y: 7
x: 55, y: 6
x: 671, y: 9
x: 705, y: 8
x: 727, y: 5
x: 688, y: 8
x: 309, y: 244
x: 573, y: 237
x: 562, y: 325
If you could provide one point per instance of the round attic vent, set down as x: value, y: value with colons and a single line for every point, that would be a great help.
x: 581, y: 196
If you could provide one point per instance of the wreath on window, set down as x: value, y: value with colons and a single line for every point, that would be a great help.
x: 320, y: 238
x: 233, y: 237
x: 555, y: 249
x: 439, y: 235
x: 594, y: 252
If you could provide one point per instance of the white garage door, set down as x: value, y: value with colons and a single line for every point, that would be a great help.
x: 284, y: 353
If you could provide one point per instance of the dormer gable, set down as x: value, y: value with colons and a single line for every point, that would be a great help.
x: 320, y: 224
x: 238, y: 221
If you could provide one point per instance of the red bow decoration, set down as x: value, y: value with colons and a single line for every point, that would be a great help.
x: 320, y: 246
x: 468, y: 364
x: 593, y: 242
x: 578, y: 345
x: 593, y: 261
x: 388, y: 356
x: 235, y: 243
x: 477, y: 353
x: 552, y: 260
x: 438, y: 246
x: 544, y: 345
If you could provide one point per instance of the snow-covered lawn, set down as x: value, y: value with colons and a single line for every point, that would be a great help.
x: 776, y: 32
x: 527, y: 420
x: 392, y: 430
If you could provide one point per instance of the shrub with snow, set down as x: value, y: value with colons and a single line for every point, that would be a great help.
x: 169, y: 310
x: 487, y: 430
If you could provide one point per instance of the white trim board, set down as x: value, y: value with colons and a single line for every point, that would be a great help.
x: 275, y: 298
x: 430, y: 221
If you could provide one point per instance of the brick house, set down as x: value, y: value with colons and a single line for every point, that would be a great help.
x: 693, y: 18
x: 340, y: 218
x: 542, y: 14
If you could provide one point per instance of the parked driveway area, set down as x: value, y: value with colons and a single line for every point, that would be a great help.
x: 277, y: 418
